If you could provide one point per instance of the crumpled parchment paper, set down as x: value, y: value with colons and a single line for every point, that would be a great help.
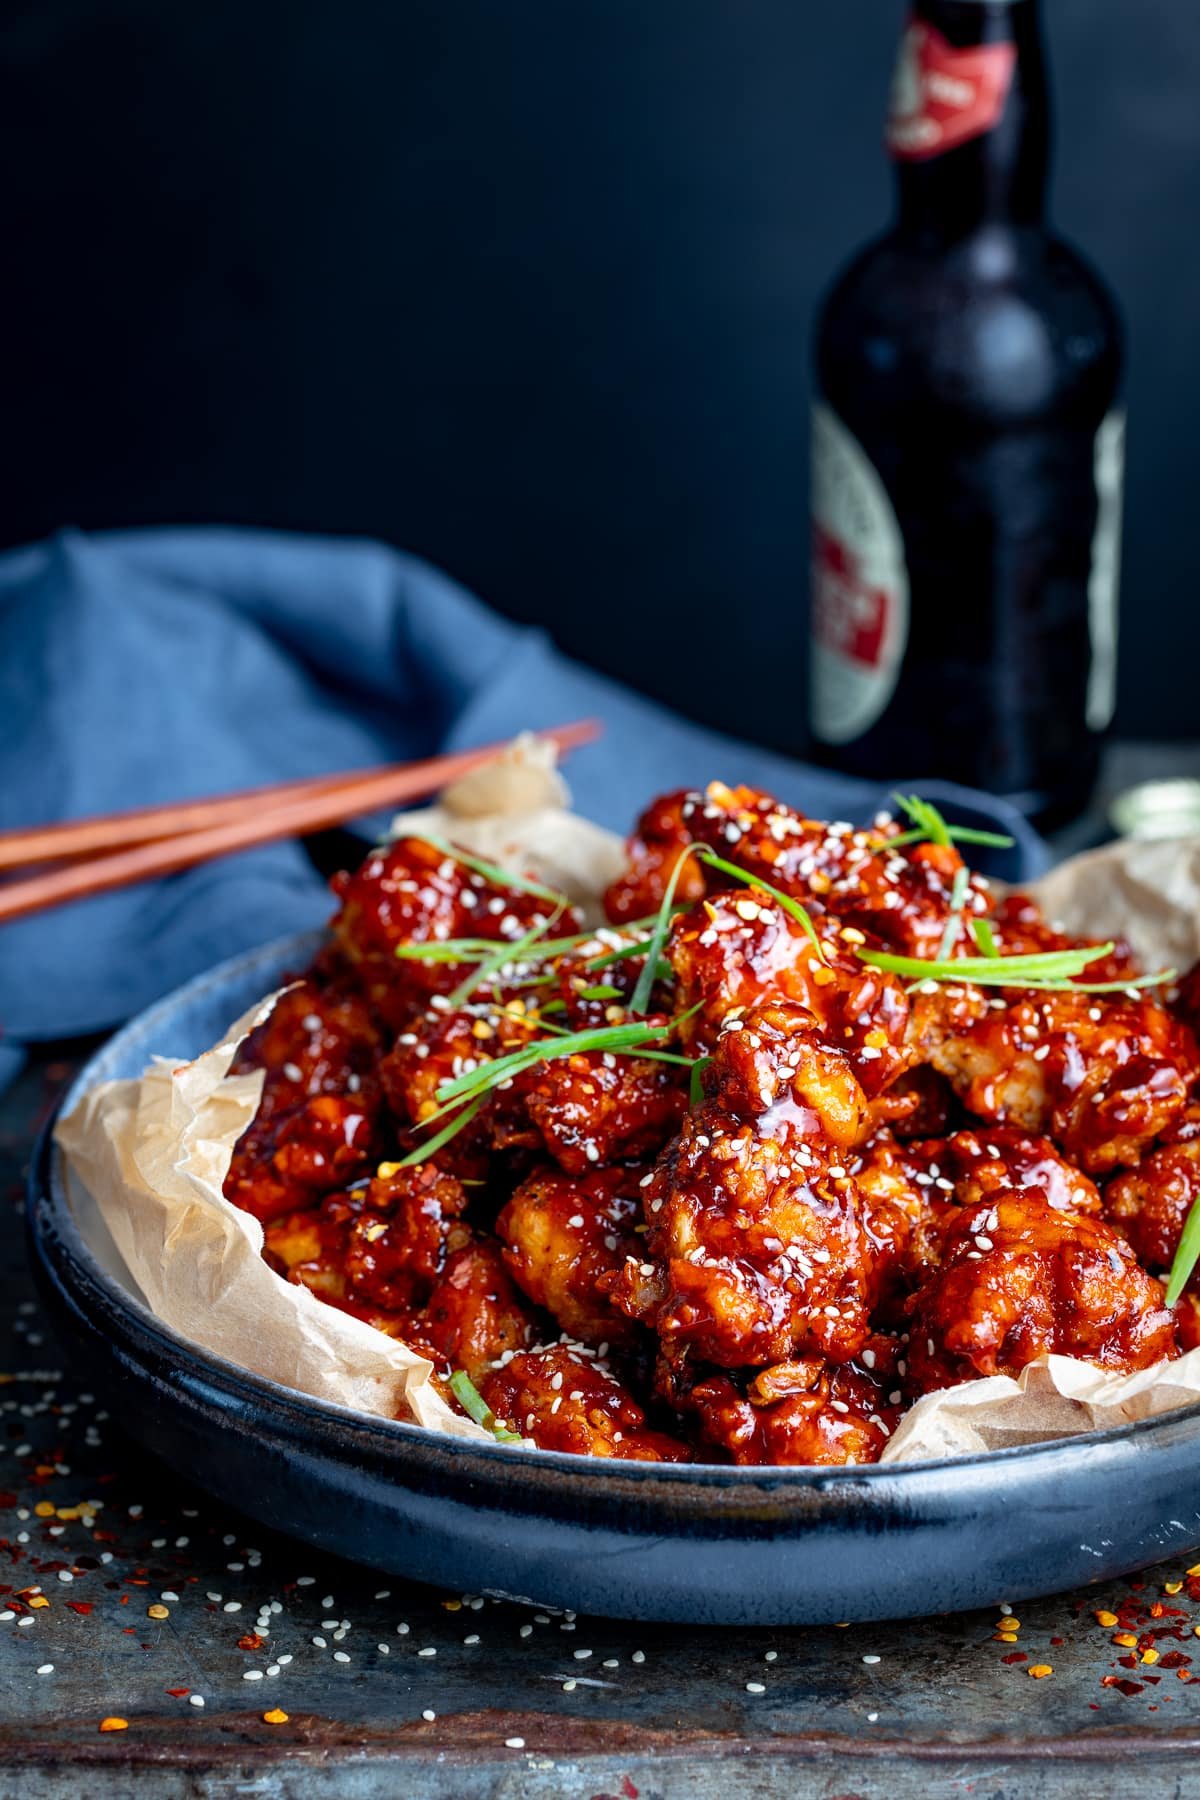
x: 153, y: 1154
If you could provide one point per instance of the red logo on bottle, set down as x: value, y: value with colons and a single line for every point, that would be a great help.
x: 850, y: 617
x: 941, y: 95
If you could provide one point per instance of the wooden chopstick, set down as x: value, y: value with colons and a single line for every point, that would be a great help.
x: 257, y: 823
x: 29, y: 844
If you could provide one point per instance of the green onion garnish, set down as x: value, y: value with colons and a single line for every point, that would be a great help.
x: 788, y: 902
x: 640, y: 999
x: 931, y: 827
x: 1049, y: 970
x: 982, y: 932
x: 696, y: 1085
x: 434, y: 1144
x: 601, y: 991
x: 505, y: 953
x: 958, y: 899
x: 477, y: 1408
x: 1187, y: 1255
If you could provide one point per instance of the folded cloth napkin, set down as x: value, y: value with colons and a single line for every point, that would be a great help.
x: 138, y: 667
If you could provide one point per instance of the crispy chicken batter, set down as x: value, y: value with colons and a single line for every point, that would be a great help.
x: 1101, y: 1074
x: 566, y: 1401
x: 868, y: 1185
x: 1149, y: 1204
x: 1019, y: 1278
x: 799, y: 1412
x: 757, y: 1247
x: 561, y: 1234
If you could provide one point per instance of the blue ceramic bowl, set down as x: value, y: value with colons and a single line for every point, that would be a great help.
x: 700, y: 1544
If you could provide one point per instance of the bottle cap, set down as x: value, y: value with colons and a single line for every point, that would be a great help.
x: 1157, y: 809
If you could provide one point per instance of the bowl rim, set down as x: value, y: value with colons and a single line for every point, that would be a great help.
x: 49, y: 1212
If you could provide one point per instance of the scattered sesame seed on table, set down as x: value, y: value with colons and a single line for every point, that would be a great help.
x: 140, y: 1676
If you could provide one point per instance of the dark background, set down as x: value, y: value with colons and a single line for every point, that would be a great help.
x: 527, y: 286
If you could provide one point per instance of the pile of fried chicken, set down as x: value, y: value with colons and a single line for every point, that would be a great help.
x: 726, y: 1178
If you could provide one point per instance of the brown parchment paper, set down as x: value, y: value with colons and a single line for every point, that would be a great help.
x: 152, y: 1154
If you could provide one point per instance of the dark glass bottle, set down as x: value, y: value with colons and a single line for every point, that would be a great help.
x: 968, y: 446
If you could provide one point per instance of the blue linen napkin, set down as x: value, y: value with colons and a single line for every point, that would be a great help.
x: 138, y: 667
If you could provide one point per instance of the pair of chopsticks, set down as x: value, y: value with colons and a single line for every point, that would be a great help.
x: 113, y: 850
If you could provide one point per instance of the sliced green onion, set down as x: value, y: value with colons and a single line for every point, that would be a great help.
x: 958, y: 834
x: 432, y: 1145
x: 640, y: 999
x: 600, y: 992
x: 789, y: 904
x: 958, y: 899
x: 505, y: 953
x: 696, y: 1085
x: 477, y: 1408
x: 982, y: 932
x: 500, y: 1069
x: 1052, y: 970
x: 925, y: 816
x: 1187, y: 1255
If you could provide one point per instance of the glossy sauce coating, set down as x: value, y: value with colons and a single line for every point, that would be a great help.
x: 869, y: 1186
x: 565, y: 1400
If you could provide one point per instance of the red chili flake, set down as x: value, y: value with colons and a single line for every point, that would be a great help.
x: 1128, y: 1662
x: 1157, y: 1610
x: 1016, y: 1657
x: 7, y: 1499
x: 80, y: 1606
x: 628, y: 1789
x: 1119, y: 1682
x: 124, y: 1599
x: 178, y: 1693
x: 251, y: 1641
x: 1175, y: 1659
x: 1058, y: 1640
x: 1153, y: 1679
x: 129, y: 1630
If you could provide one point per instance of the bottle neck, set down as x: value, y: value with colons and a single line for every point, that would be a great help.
x: 969, y: 127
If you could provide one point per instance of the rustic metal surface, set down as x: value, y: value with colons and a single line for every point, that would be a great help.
x: 929, y: 1708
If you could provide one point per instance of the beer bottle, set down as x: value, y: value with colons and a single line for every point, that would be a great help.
x: 968, y: 446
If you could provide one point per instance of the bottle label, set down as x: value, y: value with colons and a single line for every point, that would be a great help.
x: 1104, y: 579
x: 859, y: 586
x: 943, y: 95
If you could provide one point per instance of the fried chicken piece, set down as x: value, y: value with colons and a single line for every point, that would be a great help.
x: 973, y: 1166
x: 410, y: 893
x: 474, y: 1315
x: 1101, y: 1074
x: 919, y: 1104
x: 757, y: 1248
x: 1186, y: 1001
x: 595, y: 1108
x: 654, y: 849
x: 1150, y: 1204
x: 589, y: 1109
x: 1017, y: 1279
x: 798, y: 1413
x: 899, y: 898
x: 384, y: 1245
x: 564, y: 1400
x: 317, y: 1039
x: 741, y: 948
x: 288, y: 1160
x: 562, y: 1234
x: 904, y: 1218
